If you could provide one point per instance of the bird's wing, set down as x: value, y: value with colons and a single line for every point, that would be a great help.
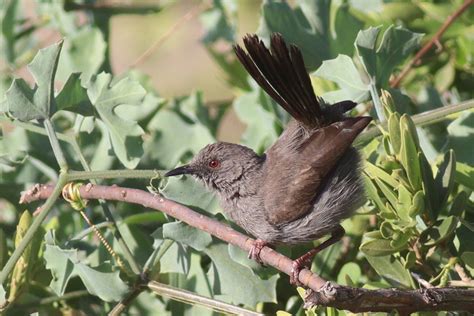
x: 281, y: 73
x: 297, y: 176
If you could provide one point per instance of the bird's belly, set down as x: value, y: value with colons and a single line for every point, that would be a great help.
x: 250, y: 215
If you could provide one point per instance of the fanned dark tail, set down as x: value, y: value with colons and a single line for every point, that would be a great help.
x: 281, y: 73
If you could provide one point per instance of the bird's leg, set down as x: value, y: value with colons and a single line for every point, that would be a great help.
x: 254, y: 252
x: 305, y: 260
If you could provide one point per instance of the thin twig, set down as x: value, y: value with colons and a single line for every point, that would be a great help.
x: 55, y: 298
x: 54, y: 193
x: 185, y: 18
x: 421, y: 119
x: 323, y: 292
x: 125, y: 302
x: 436, y: 38
x: 111, y: 7
x: 462, y: 273
x: 135, y: 267
x: 195, y: 299
x: 421, y: 281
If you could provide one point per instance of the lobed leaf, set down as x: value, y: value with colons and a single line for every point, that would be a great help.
x: 396, y: 45
x: 64, y: 264
x: 342, y: 71
x: 73, y: 97
x: 187, y: 235
x: 125, y: 135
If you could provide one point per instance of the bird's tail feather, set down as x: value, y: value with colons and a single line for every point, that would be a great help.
x: 281, y: 72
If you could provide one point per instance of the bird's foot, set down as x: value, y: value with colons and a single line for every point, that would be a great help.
x: 298, y: 265
x: 254, y: 252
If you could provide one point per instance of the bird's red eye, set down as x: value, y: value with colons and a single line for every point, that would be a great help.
x: 214, y: 163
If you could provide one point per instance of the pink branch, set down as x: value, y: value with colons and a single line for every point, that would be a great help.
x: 323, y: 292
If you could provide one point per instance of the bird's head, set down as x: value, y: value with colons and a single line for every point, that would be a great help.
x: 221, y: 165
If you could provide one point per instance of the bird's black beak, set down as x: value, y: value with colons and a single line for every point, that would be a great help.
x: 186, y: 169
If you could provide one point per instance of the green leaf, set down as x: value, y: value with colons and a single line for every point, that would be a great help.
x: 342, y: 71
x: 215, y: 22
x: 392, y: 270
x: 27, y: 104
x: 306, y: 26
x: 410, y: 260
x: 21, y: 274
x: 73, y: 97
x: 468, y: 258
x: 43, y: 68
x: 459, y: 204
x: 400, y: 240
x: 445, y: 76
x: 261, y: 123
x: 386, y: 230
x: 197, y: 281
x: 84, y: 52
x: 189, y: 191
x: 464, y: 175
x: 20, y: 103
x: 378, y: 247
x: 407, y: 124
x: 9, y: 20
x: 351, y: 270
x: 236, y: 75
x: 174, y: 137
x: 428, y: 185
x: 187, y: 235
x: 175, y: 259
x: 241, y: 257
x: 418, y: 204
x: 461, y: 132
x: 404, y: 203
x: 64, y: 264
x: 394, y: 132
x: 387, y: 192
x: 396, y: 45
x: 235, y: 283
x: 144, y: 218
x: 125, y: 135
x: 372, y: 193
x: 193, y: 108
x: 442, y: 232
x: 365, y: 44
x: 3, y: 248
x: 444, y: 180
x: 346, y: 27
x: 409, y: 153
x: 404, y: 11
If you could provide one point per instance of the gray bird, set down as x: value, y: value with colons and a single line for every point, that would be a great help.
x: 308, y: 181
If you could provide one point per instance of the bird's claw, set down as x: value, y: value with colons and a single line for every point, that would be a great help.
x: 254, y: 252
x: 298, y: 265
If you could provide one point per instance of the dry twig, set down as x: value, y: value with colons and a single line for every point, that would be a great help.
x: 435, y: 41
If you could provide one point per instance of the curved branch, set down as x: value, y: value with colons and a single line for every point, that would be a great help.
x: 323, y: 292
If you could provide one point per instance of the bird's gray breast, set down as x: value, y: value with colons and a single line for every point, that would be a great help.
x: 245, y: 207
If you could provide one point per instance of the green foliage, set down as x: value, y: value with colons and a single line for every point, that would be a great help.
x: 419, y: 180
x: 66, y: 263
